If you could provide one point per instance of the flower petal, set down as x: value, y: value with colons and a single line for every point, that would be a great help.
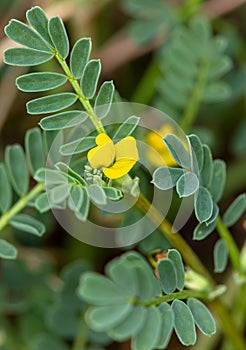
x: 126, y: 149
x: 120, y: 168
x: 102, y: 155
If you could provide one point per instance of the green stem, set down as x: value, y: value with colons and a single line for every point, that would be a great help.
x: 20, y: 205
x: 195, y: 99
x: 234, y: 254
x: 84, y: 101
x: 80, y: 341
x: 230, y: 329
x: 182, y: 294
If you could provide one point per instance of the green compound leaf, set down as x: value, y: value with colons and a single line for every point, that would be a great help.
x: 63, y: 120
x: 97, y: 194
x: 42, y: 203
x: 7, y: 250
x: 203, y: 205
x: 207, y: 168
x: 17, y: 168
x: 187, y: 184
x: 220, y: 256
x: 104, y: 99
x: 90, y: 78
x: 203, y: 230
x: 202, y: 316
x: 178, y: 150
x: 112, y: 193
x: 184, y: 323
x: 218, y: 179
x: 102, y: 318
x: 34, y: 149
x: 22, y: 34
x: 59, y: 193
x: 79, y: 56
x: 28, y: 224
x: 76, y: 198
x: 149, y: 334
x: 176, y: 258
x: 167, y: 325
x: 5, y: 190
x: 130, y: 326
x: 165, y: 177
x: 196, y: 152
x: 33, y: 82
x: 26, y: 57
x: 37, y: 18
x: 59, y: 36
x: 99, y: 290
x: 78, y: 146
x: 83, y: 212
x: 126, y: 128
x: 168, y: 277
x: 52, y: 103
x: 235, y: 210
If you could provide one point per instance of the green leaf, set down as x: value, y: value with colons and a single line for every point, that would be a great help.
x: 104, y: 99
x: 97, y: 194
x: 102, y: 318
x: 34, y: 149
x: 50, y: 176
x: 59, y: 36
x: 17, y: 169
x: 25, y: 57
x: 48, y: 342
x: 79, y: 56
x: 176, y: 258
x: 214, y: 215
x: 28, y: 224
x: 178, y: 150
x: 167, y: 325
x: 216, y: 92
x: 70, y: 172
x: 5, y: 190
x: 63, y: 120
x: 37, y: 18
x: 203, y: 230
x: 7, y: 250
x: 78, y: 146
x: 112, y: 193
x: 220, y: 256
x: 130, y: 326
x: 42, y: 203
x: 197, y: 153
x: 83, y: 212
x: 218, y: 179
x: 235, y: 210
x: 203, y: 205
x: 202, y: 316
x: 168, y: 276
x: 76, y: 198
x: 126, y: 128
x: 22, y: 34
x: 59, y: 193
x: 150, y: 332
x: 52, y: 103
x: 33, y: 82
x: 207, y: 168
x: 187, y: 184
x: 184, y: 323
x: 99, y: 290
x: 219, y: 67
x: 90, y: 78
x: 165, y: 177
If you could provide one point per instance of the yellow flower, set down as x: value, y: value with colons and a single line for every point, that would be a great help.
x: 158, y: 154
x: 116, y: 160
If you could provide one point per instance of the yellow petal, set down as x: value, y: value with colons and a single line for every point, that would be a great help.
x: 102, y: 155
x: 126, y: 149
x: 102, y: 138
x: 119, y: 169
x: 160, y: 158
